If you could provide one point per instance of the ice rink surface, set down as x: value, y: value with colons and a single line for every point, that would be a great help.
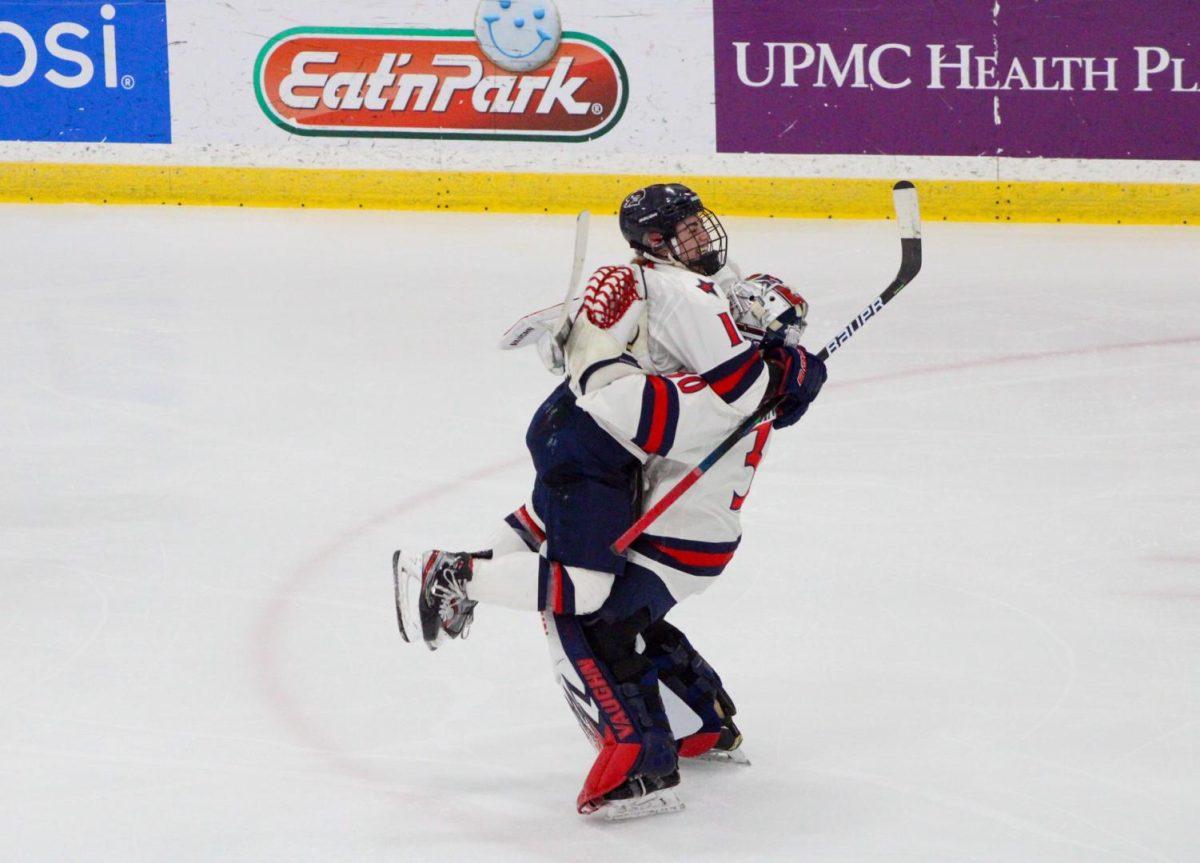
x: 964, y: 624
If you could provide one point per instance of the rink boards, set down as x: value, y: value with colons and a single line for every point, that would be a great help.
x: 466, y: 191
x: 768, y: 107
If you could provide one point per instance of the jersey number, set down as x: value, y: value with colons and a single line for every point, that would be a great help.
x: 688, y: 384
x: 735, y: 338
x: 753, y: 460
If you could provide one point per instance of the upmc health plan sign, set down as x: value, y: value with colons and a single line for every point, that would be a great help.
x: 1115, y: 79
x: 84, y: 71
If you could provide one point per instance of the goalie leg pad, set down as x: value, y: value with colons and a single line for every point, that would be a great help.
x: 685, y: 672
x: 613, y: 691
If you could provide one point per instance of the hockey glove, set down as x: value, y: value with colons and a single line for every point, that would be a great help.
x: 798, y: 376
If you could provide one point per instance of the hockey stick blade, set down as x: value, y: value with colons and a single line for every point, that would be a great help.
x: 908, y: 217
x: 582, y: 222
x: 531, y: 328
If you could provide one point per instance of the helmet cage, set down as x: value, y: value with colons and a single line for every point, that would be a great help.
x: 704, y: 244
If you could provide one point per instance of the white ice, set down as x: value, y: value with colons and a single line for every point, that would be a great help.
x: 964, y: 624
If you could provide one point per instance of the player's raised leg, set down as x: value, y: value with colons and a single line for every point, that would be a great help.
x: 437, y: 591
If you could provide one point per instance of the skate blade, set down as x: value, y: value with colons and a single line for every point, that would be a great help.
x: 719, y: 756
x: 654, y: 803
x: 407, y: 589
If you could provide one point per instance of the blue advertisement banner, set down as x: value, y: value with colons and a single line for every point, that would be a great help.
x: 83, y: 70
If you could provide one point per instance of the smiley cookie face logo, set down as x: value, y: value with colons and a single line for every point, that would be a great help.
x: 518, y: 35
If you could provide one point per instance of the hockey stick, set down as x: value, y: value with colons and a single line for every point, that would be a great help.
x: 908, y: 216
x: 531, y: 328
x: 562, y: 328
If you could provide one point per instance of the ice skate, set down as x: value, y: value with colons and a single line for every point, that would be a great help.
x: 723, y: 746
x: 431, y: 596
x: 727, y: 749
x: 638, y: 797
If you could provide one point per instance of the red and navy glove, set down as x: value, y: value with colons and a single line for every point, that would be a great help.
x: 796, y: 375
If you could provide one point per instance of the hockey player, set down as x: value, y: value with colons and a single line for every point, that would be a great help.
x: 629, y: 404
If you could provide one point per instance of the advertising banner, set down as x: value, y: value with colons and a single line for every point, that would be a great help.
x: 84, y: 71
x: 418, y: 83
x: 1105, y: 79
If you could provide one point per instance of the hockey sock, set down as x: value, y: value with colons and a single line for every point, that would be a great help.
x: 527, y: 582
x: 522, y: 531
x: 510, y: 580
x: 505, y: 539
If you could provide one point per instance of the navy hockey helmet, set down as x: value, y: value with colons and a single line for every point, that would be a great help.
x: 669, y: 219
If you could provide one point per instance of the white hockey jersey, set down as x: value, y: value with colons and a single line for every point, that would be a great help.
x: 700, y: 378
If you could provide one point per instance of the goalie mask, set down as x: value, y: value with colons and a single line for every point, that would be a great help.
x: 670, y: 221
x: 766, y: 309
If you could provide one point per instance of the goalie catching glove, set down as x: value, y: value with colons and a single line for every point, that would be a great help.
x: 610, y: 324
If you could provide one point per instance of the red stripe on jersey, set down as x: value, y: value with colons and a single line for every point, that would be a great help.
x: 727, y: 383
x: 658, y: 421
x: 703, y: 559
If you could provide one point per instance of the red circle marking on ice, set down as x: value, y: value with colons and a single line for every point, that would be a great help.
x: 291, y: 709
x: 269, y: 662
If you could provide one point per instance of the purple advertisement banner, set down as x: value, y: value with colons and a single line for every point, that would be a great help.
x: 1099, y: 79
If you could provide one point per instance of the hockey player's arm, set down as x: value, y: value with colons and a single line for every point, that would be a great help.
x: 696, y: 326
x: 678, y: 416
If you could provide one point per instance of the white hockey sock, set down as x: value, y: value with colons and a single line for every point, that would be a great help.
x: 510, y: 580
x: 505, y: 540
x: 513, y: 581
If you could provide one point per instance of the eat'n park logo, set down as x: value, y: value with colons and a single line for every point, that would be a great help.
x: 435, y: 84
